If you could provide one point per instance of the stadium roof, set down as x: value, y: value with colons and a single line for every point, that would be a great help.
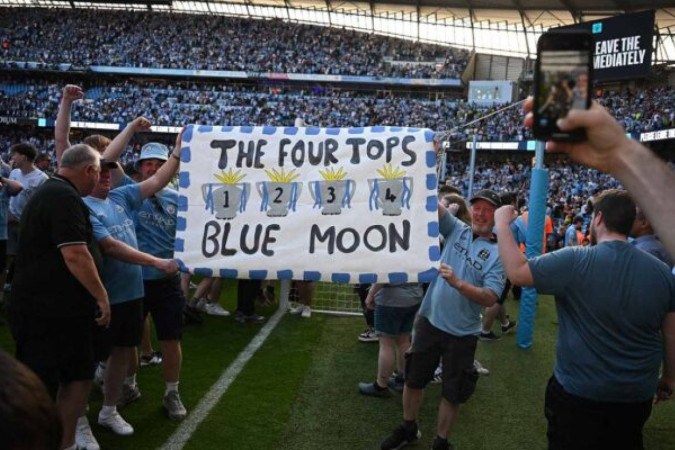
x: 509, y: 27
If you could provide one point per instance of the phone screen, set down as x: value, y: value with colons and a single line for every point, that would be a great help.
x: 563, y: 84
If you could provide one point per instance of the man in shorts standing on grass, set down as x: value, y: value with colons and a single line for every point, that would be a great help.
x: 471, y: 277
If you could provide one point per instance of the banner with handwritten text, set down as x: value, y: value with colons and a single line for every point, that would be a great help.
x: 346, y: 205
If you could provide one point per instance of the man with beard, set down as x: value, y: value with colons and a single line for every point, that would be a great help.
x: 616, y: 310
x: 471, y: 277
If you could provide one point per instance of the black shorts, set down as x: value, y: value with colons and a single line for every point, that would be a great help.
x: 164, y: 301
x: 125, y: 330
x: 59, y: 350
x: 431, y: 345
x: 576, y: 423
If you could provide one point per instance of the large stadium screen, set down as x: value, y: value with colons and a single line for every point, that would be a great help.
x: 622, y: 45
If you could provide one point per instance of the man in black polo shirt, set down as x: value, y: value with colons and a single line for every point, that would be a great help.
x: 57, y: 292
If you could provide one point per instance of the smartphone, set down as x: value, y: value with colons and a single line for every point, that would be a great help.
x: 562, y: 81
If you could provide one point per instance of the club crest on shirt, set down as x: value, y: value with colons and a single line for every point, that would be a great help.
x: 484, y: 254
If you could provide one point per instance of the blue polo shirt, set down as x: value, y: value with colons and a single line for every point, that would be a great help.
x: 475, y: 260
x: 114, y: 217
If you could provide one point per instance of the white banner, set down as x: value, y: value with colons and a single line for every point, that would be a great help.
x: 346, y: 205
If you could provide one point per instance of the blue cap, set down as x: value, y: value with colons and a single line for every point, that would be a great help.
x: 153, y: 150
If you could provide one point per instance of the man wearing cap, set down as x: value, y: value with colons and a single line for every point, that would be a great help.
x: 470, y: 277
x: 112, y: 217
x: 155, y: 223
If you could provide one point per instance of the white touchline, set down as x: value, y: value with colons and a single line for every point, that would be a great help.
x: 195, y: 417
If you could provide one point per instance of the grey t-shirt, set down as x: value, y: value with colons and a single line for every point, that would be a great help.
x: 611, y: 301
x: 399, y: 295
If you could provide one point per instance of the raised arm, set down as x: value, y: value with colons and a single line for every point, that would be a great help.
x: 62, y: 126
x: 161, y: 178
x: 648, y: 179
x: 117, y: 146
x: 515, y: 264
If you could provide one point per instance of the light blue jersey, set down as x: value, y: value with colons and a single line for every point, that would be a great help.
x: 475, y: 261
x: 571, y: 236
x: 114, y: 217
x: 156, y: 227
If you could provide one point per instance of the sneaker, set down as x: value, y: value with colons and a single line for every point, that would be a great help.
x: 396, y: 383
x: 192, y: 316
x: 253, y: 318
x: 401, y: 437
x: 297, y: 309
x: 199, y: 304
x: 129, y: 395
x: 480, y: 368
x: 441, y: 444
x: 507, y: 328
x: 438, y: 375
x: 214, y: 309
x: 84, y: 438
x: 99, y: 376
x: 173, y: 406
x: 370, y: 389
x: 306, y: 312
x: 116, y: 423
x: 153, y: 359
x: 488, y: 337
x: 368, y: 336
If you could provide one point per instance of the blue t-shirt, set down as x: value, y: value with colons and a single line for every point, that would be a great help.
x: 114, y: 217
x: 475, y: 261
x: 155, y: 224
x: 571, y: 236
x: 611, y: 300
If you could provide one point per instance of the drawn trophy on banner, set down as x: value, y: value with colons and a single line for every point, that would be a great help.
x: 392, y: 192
x: 280, y: 193
x: 228, y: 197
x: 332, y: 193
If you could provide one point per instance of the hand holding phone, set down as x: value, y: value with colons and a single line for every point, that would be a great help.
x: 562, y: 81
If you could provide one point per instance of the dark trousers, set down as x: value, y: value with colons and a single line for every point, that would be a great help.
x: 247, y: 291
x: 369, y: 314
x: 576, y: 423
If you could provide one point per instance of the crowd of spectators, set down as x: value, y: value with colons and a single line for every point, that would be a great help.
x: 642, y: 110
x: 570, y: 187
x: 209, y: 42
x: 176, y: 103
